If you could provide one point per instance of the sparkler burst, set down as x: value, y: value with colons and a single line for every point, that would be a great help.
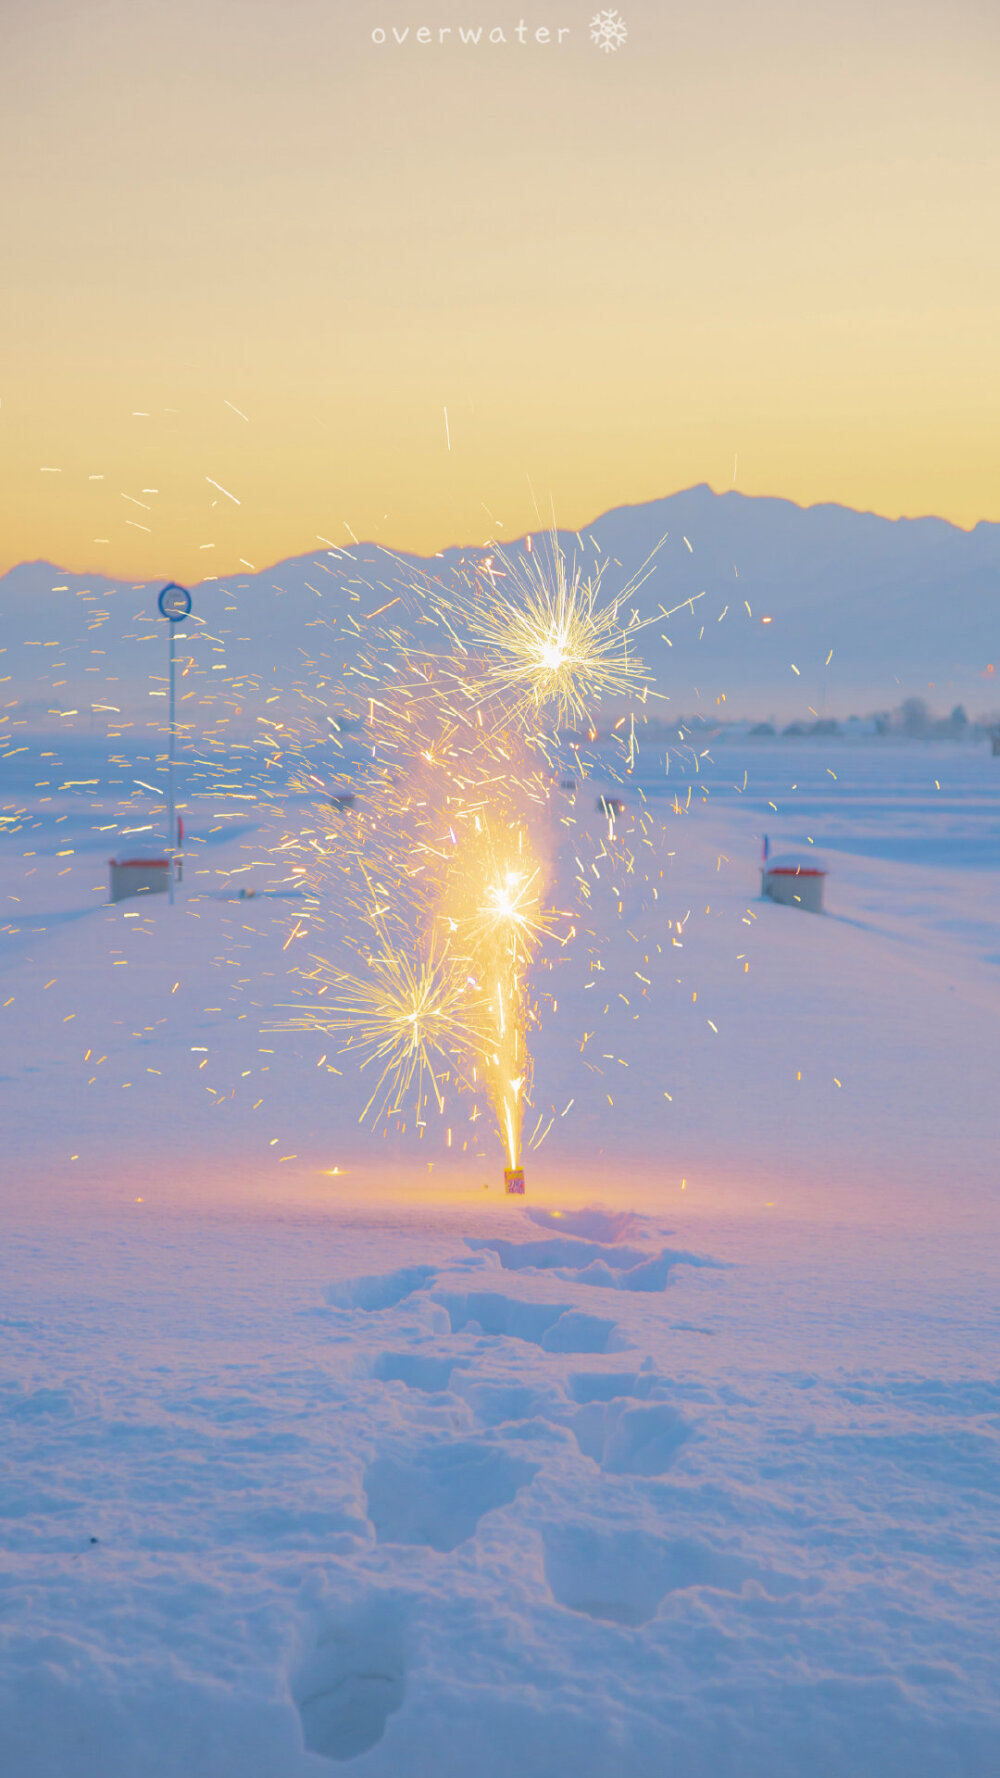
x: 409, y: 1016
x: 549, y: 642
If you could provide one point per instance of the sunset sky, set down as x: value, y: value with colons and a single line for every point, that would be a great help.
x: 246, y: 245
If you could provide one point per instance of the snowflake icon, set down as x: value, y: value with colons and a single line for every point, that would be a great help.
x: 608, y: 29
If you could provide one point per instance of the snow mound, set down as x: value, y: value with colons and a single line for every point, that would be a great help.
x: 587, y: 1262
x: 593, y: 1222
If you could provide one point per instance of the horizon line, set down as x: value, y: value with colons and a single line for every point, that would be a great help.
x: 573, y: 531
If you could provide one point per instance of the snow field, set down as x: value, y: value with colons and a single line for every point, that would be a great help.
x: 687, y: 1465
x: 369, y: 1520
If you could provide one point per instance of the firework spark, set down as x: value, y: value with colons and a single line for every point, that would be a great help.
x: 408, y: 1017
x: 547, y: 639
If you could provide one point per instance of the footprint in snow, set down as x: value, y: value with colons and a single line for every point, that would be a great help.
x: 627, y: 1439
x: 556, y: 1327
x: 438, y: 1494
x: 623, y: 1575
x: 382, y: 1291
x: 496, y: 1401
x: 418, y: 1370
x: 351, y: 1680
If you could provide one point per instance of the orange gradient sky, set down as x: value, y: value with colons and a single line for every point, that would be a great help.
x: 760, y: 243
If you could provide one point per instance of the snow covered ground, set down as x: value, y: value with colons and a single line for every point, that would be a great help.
x: 316, y: 1451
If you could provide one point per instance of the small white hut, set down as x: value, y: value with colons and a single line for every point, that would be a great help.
x: 138, y: 876
x: 795, y: 879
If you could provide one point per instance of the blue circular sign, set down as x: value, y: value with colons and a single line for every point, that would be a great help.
x: 175, y: 602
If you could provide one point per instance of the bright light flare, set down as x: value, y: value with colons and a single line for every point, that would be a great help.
x: 512, y: 910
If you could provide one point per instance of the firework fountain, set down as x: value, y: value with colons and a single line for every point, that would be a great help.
x: 442, y: 876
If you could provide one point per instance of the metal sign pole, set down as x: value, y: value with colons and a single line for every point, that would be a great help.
x: 170, y: 778
x: 175, y: 605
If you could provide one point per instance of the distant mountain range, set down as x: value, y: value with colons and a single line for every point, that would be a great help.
x: 860, y: 613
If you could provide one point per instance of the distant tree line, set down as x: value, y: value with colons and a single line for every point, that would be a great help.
x: 912, y: 720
